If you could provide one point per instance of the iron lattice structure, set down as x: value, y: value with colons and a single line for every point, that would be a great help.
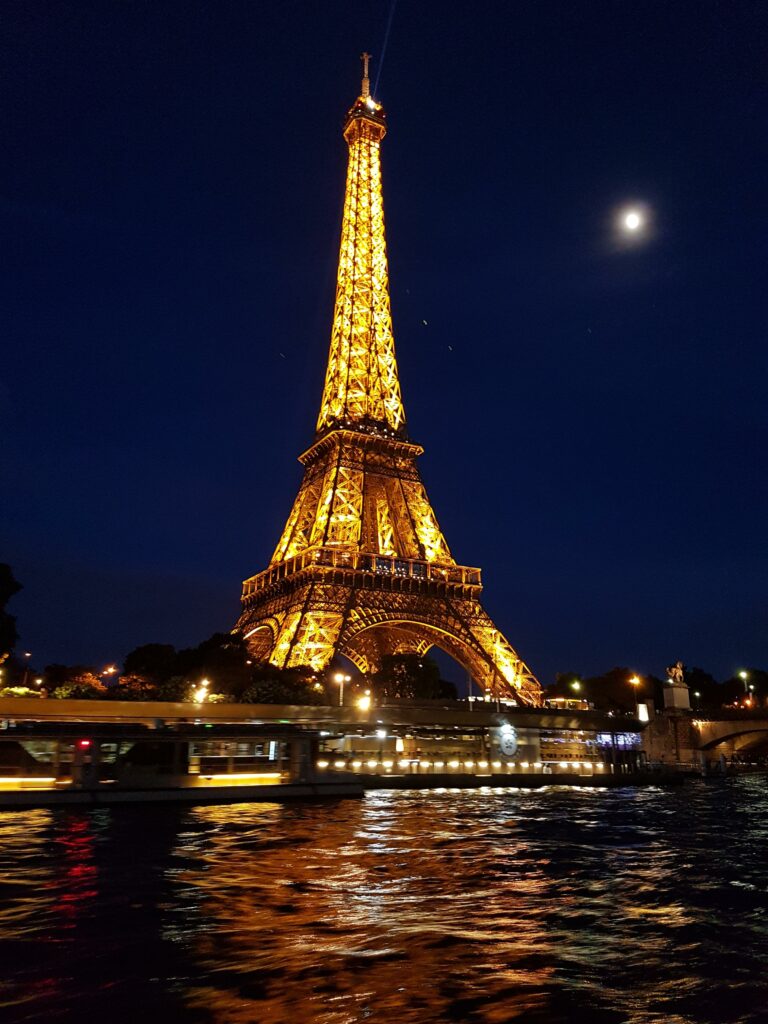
x: 362, y: 567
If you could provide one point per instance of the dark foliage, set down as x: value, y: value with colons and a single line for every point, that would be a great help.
x: 60, y: 675
x: 9, y: 586
x: 612, y: 691
x: 411, y: 677
x: 153, y: 661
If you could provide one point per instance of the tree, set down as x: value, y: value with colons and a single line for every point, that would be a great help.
x: 711, y: 693
x: 563, y: 686
x: 9, y: 586
x: 174, y: 689
x: 154, y: 661
x: 82, y: 685
x: 133, y: 687
x: 223, y: 658
x: 271, y: 685
x: 277, y: 691
x: 411, y: 677
x: 60, y: 675
x: 610, y: 691
x: 736, y: 690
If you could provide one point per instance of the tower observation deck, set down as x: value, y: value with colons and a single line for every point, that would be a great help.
x: 362, y: 568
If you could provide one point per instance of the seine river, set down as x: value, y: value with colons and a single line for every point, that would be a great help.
x: 550, y: 906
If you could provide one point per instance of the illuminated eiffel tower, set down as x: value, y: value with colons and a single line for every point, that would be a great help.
x: 362, y: 568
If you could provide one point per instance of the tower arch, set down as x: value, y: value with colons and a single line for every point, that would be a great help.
x: 408, y: 636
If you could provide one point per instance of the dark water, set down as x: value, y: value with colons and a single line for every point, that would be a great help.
x: 562, y: 905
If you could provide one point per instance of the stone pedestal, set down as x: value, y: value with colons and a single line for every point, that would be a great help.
x: 677, y: 697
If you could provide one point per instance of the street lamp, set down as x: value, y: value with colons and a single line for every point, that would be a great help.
x: 364, y: 702
x: 634, y: 682
x: 744, y: 676
x: 201, y: 692
x: 340, y: 679
x: 27, y: 655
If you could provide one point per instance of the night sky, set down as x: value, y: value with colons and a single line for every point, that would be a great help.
x: 593, y: 411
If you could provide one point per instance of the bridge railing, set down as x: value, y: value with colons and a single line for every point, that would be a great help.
x: 731, y: 714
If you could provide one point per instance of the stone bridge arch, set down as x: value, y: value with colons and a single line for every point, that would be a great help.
x: 734, y: 733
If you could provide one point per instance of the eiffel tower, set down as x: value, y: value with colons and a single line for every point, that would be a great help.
x: 362, y: 568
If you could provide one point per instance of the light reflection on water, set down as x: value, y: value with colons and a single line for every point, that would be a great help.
x: 567, y: 905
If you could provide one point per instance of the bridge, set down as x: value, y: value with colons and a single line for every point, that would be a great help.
x: 730, y: 732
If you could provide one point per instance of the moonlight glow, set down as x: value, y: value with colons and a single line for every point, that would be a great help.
x: 632, y: 220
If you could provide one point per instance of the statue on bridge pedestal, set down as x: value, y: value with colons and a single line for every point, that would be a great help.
x: 676, y: 674
x: 676, y: 691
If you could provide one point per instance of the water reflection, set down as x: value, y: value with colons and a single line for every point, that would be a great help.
x: 357, y: 915
x: 76, y: 868
x: 632, y: 906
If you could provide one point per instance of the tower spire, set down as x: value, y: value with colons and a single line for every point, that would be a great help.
x: 365, y: 92
x: 361, y: 382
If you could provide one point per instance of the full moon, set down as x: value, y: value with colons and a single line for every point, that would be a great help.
x: 632, y: 220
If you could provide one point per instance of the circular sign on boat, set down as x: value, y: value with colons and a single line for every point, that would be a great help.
x: 508, y: 740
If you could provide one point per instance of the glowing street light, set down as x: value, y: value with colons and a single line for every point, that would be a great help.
x: 364, y: 702
x: 200, y: 694
x: 744, y: 676
x: 634, y: 682
x: 576, y: 685
x: 340, y: 679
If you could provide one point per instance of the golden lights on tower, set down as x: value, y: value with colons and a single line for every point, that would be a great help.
x: 362, y: 567
x: 361, y: 383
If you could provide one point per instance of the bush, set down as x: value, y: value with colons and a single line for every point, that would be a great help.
x: 132, y: 687
x: 80, y: 690
x: 282, y: 691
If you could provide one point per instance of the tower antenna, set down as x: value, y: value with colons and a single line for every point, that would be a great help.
x: 366, y: 90
x: 384, y: 48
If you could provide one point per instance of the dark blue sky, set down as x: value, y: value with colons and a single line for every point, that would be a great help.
x: 594, y: 415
